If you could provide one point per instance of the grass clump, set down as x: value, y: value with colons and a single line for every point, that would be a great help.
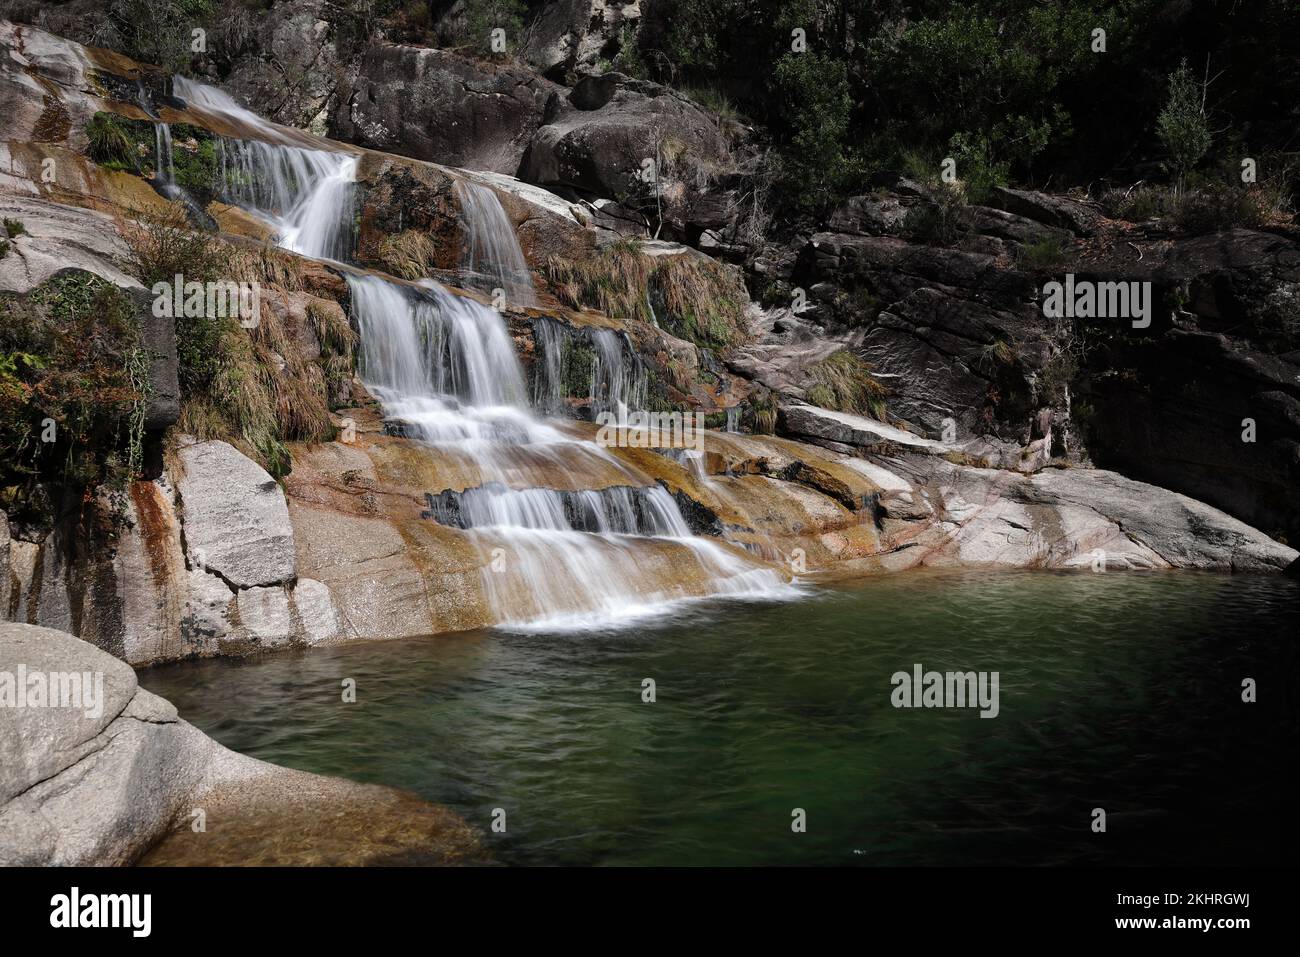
x: 254, y: 387
x: 843, y: 382
x: 761, y: 412
x: 1045, y: 254
x: 694, y: 298
x: 110, y: 143
x: 410, y: 254
x: 1217, y: 208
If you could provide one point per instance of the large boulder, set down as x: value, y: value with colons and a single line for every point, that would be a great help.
x: 575, y: 37
x: 1207, y: 400
x: 236, y: 521
x: 1060, y: 212
x: 953, y: 334
x: 599, y: 137
x: 439, y: 106
x: 100, y: 772
x: 292, y: 70
x: 1083, y: 518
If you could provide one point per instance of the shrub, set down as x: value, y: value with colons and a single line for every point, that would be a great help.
x: 1137, y: 203
x: 1182, y: 126
x: 252, y: 387
x: 1217, y: 208
x: 819, y: 162
x: 480, y: 17
x: 73, y: 384
x: 1045, y: 254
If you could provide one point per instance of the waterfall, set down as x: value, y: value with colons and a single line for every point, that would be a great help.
x: 492, y: 253
x: 305, y: 195
x: 566, y: 533
x: 444, y: 369
x: 217, y: 102
x: 600, y: 362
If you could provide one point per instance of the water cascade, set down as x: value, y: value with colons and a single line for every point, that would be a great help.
x: 445, y: 371
x: 597, y: 364
x: 492, y: 255
x: 566, y: 533
x: 304, y: 194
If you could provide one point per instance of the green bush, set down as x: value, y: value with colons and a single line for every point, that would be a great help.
x: 819, y: 164
x: 481, y: 17
x: 1182, y: 125
x: 72, y: 396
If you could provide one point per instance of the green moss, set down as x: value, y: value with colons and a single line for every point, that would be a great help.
x: 577, y: 365
x: 194, y: 158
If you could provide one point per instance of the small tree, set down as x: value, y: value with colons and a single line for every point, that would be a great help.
x: 1182, y: 124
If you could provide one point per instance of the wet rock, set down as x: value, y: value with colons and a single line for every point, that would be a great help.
x: 264, y: 616
x: 236, y: 521
x: 206, y: 617
x: 316, y: 612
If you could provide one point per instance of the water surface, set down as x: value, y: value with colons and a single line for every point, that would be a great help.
x: 1117, y: 690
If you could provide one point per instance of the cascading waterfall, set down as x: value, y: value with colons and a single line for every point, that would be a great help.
x: 492, y: 252
x: 599, y: 362
x: 445, y: 370
x: 164, y: 162
x: 305, y: 195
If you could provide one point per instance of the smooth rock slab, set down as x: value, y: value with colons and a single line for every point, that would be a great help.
x: 235, y: 517
x: 95, y: 791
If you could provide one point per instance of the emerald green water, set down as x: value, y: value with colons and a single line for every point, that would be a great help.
x: 1117, y: 690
